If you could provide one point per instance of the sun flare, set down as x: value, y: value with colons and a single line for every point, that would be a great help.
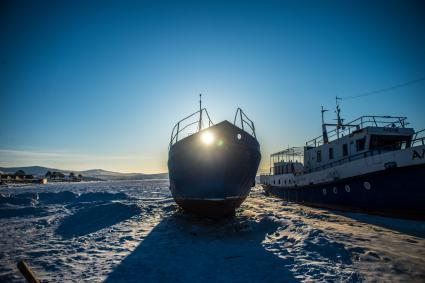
x: 207, y: 137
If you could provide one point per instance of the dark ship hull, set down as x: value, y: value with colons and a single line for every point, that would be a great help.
x: 396, y: 192
x: 213, y: 179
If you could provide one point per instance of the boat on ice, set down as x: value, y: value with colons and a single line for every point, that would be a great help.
x: 212, y: 170
x: 374, y: 164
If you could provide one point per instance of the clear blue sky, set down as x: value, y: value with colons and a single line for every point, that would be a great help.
x: 99, y: 84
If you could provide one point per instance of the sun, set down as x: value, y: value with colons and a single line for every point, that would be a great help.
x: 207, y: 138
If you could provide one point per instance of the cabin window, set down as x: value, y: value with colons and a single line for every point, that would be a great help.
x: 360, y: 144
x: 279, y: 181
x: 319, y: 156
x: 381, y: 142
x: 344, y: 149
x: 331, y: 153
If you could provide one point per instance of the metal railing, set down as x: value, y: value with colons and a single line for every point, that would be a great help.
x: 244, y: 121
x: 360, y: 123
x: 294, y: 151
x: 180, y: 126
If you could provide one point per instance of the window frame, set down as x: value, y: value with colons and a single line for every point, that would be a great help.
x: 345, y: 149
x: 361, y: 142
x: 319, y: 156
x: 331, y: 153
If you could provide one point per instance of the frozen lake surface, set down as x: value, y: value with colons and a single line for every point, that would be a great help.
x: 131, y: 231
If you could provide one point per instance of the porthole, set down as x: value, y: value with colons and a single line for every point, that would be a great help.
x: 239, y: 136
x: 324, y: 192
x: 335, y: 189
x: 347, y: 188
x: 367, y: 185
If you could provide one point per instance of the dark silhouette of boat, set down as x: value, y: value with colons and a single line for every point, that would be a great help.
x: 212, y: 170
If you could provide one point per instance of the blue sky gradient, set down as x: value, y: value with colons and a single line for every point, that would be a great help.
x: 100, y: 84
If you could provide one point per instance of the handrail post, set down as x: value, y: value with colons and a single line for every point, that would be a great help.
x: 200, y: 113
x: 172, y: 136
x: 241, y: 119
x: 236, y: 115
x: 177, y: 134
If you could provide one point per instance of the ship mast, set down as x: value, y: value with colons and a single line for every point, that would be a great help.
x: 200, y: 113
x: 339, y: 123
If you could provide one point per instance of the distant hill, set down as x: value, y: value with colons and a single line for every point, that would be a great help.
x: 94, y: 174
x: 109, y: 175
x: 33, y: 170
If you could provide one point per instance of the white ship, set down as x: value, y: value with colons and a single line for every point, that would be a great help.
x: 373, y: 164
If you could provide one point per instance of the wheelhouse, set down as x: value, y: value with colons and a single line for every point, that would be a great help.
x: 287, y: 161
x: 363, y: 137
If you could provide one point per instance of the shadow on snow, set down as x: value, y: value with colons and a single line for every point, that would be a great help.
x: 94, y: 218
x: 182, y: 248
x: 414, y: 228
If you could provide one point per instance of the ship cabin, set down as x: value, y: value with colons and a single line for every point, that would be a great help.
x: 287, y: 161
x: 362, y: 137
x: 286, y: 164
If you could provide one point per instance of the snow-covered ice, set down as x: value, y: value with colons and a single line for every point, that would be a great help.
x: 131, y: 231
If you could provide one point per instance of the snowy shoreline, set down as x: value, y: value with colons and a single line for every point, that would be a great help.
x: 133, y: 231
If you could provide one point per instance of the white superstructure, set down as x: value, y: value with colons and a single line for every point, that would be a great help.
x: 367, y: 144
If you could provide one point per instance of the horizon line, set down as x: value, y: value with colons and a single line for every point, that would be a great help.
x: 71, y: 170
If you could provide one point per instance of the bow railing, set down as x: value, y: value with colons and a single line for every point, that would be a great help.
x: 245, y: 122
x: 186, y: 124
